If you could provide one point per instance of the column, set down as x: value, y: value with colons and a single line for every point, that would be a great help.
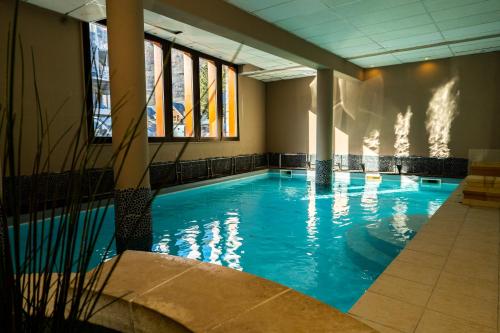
x: 324, y: 126
x: 133, y: 224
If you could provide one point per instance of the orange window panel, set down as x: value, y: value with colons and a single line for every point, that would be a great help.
x: 212, y: 99
x: 188, y: 96
x: 158, y: 76
x: 232, y: 120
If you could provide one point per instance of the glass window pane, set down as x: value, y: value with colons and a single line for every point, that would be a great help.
x: 101, y: 96
x: 229, y: 102
x: 154, y: 88
x: 208, y: 98
x: 182, y: 94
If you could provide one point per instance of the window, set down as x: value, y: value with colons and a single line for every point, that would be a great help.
x: 208, y: 98
x: 189, y: 95
x: 182, y: 94
x: 101, y: 96
x: 154, y: 88
x: 229, y: 102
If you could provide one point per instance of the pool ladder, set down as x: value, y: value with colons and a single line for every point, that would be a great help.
x: 286, y: 173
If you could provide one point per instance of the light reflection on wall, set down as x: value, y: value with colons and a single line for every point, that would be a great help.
x: 441, y: 111
x: 402, y: 130
x: 371, y: 147
x: 312, y: 133
x: 233, y: 241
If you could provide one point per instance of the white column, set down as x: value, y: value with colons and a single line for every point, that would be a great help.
x: 125, y: 21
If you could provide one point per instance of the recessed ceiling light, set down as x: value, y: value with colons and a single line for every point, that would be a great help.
x: 371, y: 65
x: 426, y: 58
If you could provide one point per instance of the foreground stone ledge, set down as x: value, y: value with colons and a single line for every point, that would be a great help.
x: 152, y: 292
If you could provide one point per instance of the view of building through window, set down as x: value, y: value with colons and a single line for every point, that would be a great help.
x: 154, y: 88
x: 183, y: 101
x: 229, y: 102
x: 101, y: 95
x: 100, y: 83
x: 208, y: 98
x: 182, y: 94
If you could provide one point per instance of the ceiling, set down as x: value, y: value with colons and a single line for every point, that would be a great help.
x: 385, y: 32
x: 369, y: 33
x: 273, y: 68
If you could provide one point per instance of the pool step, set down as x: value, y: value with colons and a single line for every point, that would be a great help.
x: 386, y: 237
x: 363, y: 253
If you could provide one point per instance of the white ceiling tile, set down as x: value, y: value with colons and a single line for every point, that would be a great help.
x: 375, y: 61
x: 364, y: 7
x: 413, y: 41
x: 480, y: 50
x: 407, y: 22
x: 468, y: 10
x: 470, y: 20
x: 290, y: 9
x: 476, y: 45
x: 389, y: 14
x: 254, y: 5
x: 404, y: 33
x: 304, y: 21
x: 436, y: 5
x: 473, y: 31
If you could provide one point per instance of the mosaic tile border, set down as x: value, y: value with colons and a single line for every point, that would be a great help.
x: 133, y: 221
x: 324, y: 172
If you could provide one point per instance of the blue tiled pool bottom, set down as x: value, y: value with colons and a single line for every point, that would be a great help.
x: 330, y: 245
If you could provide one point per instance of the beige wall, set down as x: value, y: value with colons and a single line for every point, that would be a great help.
x: 373, y: 105
x: 58, y: 53
x: 288, y: 107
x: 55, y: 45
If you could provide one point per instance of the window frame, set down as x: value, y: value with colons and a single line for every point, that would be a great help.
x: 167, y: 93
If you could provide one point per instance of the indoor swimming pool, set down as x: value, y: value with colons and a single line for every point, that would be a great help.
x: 330, y: 245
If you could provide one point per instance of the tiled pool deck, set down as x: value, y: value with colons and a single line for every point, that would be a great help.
x: 445, y: 280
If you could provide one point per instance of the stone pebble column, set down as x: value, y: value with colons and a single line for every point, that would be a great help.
x: 324, y: 126
x: 133, y: 222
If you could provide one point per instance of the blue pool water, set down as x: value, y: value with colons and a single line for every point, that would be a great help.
x: 330, y: 245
